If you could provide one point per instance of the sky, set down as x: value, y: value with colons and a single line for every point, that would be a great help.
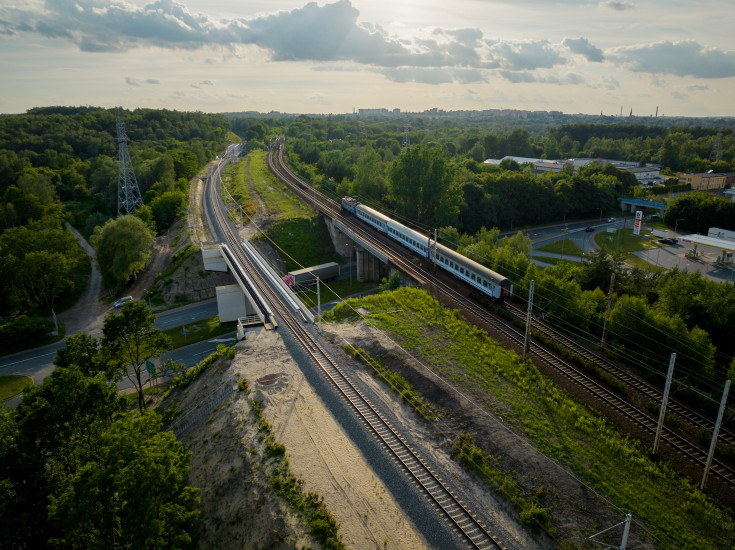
x: 293, y: 56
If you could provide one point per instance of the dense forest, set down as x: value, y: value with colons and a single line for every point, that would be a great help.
x: 78, y: 469
x: 440, y: 182
x: 60, y: 164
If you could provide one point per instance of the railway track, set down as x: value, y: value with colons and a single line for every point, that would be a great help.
x: 584, y: 383
x: 695, y: 418
x: 465, y: 522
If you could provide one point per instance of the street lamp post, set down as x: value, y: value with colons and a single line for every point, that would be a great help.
x: 676, y: 224
x: 600, y: 216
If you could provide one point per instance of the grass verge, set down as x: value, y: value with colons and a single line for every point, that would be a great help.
x: 565, y: 246
x: 13, y: 384
x: 275, y: 195
x: 548, y: 260
x: 305, y: 242
x: 198, y: 331
x: 235, y: 179
x: 613, y: 464
x: 333, y: 290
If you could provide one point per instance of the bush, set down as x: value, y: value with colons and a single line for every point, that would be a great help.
x: 23, y: 333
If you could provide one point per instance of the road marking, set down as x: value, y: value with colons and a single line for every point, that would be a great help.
x: 29, y: 359
x: 220, y: 340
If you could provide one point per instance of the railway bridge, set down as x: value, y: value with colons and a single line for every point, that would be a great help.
x: 371, y: 263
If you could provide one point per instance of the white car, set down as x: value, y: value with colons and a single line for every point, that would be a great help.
x: 610, y: 220
x: 121, y: 301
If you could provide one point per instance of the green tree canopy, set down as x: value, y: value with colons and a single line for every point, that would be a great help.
x: 124, y: 247
x: 130, y: 339
x: 131, y: 493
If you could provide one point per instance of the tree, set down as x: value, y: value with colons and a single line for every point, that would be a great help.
x: 369, y: 175
x: 132, y: 493
x: 419, y: 179
x: 93, y: 220
x: 58, y: 424
x: 167, y: 208
x: 83, y: 351
x: 130, y: 340
x: 124, y: 247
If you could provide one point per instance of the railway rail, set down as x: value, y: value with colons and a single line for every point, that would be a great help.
x: 465, y: 522
x: 694, y: 417
x: 581, y: 380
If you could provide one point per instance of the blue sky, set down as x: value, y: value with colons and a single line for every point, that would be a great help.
x: 328, y: 57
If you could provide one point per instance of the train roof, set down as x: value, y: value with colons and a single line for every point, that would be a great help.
x: 472, y: 264
x: 373, y: 212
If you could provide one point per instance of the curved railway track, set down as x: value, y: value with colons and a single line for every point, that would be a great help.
x: 578, y: 378
x: 467, y: 525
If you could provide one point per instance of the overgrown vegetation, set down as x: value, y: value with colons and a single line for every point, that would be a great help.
x: 235, y: 179
x: 564, y: 430
x: 490, y: 470
x: 305, y: 242
x: 276, y: 196
x: 397, y: 383
x: 193, y: 373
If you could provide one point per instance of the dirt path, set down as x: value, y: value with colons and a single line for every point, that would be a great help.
x: 89, y: 312
x: 161, y: 258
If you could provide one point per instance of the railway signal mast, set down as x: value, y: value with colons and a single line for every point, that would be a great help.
x: 128, y: 194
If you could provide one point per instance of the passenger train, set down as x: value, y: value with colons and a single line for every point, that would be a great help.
x: 486, y: 280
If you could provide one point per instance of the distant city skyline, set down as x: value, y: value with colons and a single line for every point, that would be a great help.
x: 292, y: 56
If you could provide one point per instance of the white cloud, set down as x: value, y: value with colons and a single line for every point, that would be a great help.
x: 526, y: 56
x: 678, y: 58
x: 617, y: 5
x: 657, y: 81
x: 584, y: 47
x: 526, y: 76
x: 136, y: 83
x: 610, y: 83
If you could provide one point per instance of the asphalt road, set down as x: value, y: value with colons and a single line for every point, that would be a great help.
x: 38, y: 363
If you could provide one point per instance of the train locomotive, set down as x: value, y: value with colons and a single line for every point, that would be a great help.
x: 485, y: 280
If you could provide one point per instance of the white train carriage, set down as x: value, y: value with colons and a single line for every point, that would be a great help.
x: 484, y: 279
x: 408, y: 238
x: 372, y: 217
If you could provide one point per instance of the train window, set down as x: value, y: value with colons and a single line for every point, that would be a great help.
x: 473, y: 276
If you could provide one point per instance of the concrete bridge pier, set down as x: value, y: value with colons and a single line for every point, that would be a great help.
x: 368, y: 266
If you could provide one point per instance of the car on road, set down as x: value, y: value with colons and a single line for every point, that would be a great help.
x: 589, y: 228
x: 610, y: 220
x: 121, y: 302
x: 668, y: 241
